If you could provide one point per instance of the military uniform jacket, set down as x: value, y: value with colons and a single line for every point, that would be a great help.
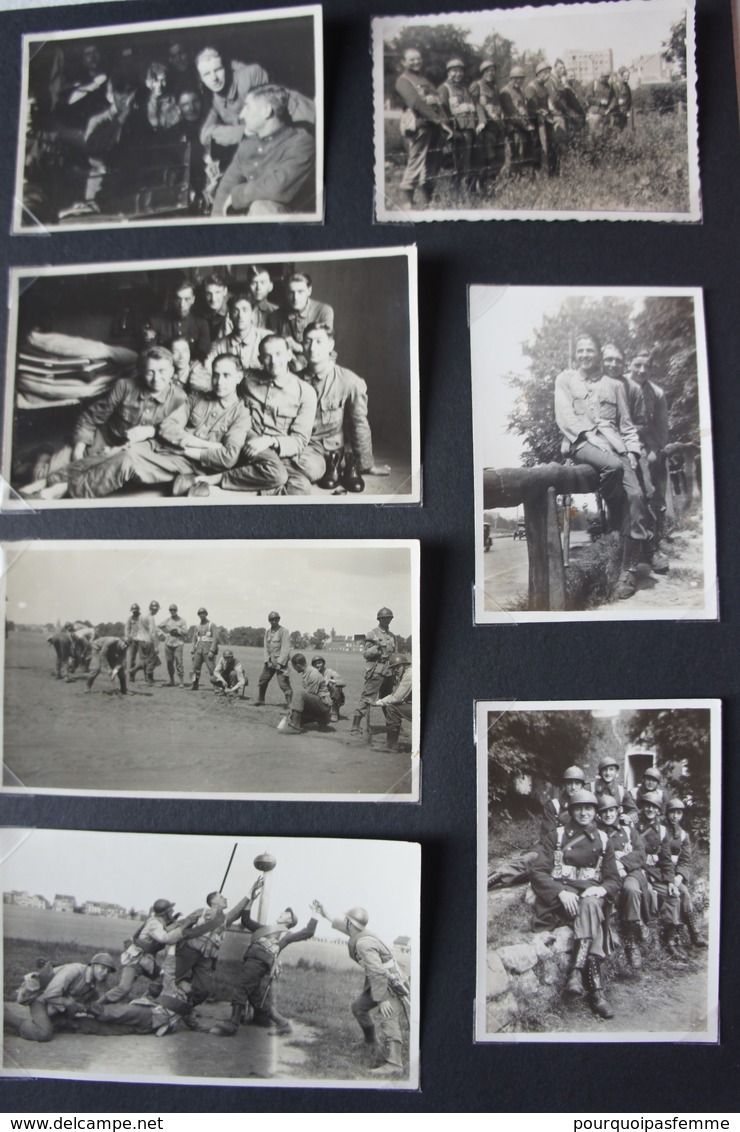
x: 71, y: 983
x: 460, y: 106
x: 487, y: 96
x: 205, y: 638
x: 316, y: 684
x: 175, y: 630
x: 420, y: 97
x: 387, y: 643
x: 538, y: 101
x: 628, y: 846
x: 622, y: 795
x: 276, y: 649
x: 127, y: 404
x: 600, y: 407
x: 659, y: 866
x: 649, y: 411
x: 680, y: 849
x: 341, y: 398
x: 376, y: 960
x: 283, y: 409
x: 247, y: 350
x: 268, y: 940
x: 110, y: 649
x: 580, y: 856
x: 514, y: 107
x: 292, y: 324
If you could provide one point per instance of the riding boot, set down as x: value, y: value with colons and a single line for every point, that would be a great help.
x: 632, y: 940
x: 692, y: 923
x: 356, y: 724
x: 657, y: 562
x: 393, y: 1064
x: 596, y: 1000
x: 672, y: 945
x: 630, y: 560
x: 228, y: 1028
x: 330, y: 478
x: 391, y: 740
x: 574, y: 985
x: 351, y: 478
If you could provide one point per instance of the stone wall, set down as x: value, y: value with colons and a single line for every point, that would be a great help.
x: 524, y: 971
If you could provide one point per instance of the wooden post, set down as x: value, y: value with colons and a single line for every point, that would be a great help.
x: 555, y: 564
x: 546, y: 570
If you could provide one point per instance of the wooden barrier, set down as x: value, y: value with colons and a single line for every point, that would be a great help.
x: 536, y: 489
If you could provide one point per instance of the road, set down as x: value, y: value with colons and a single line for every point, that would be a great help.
x: 506, y: 569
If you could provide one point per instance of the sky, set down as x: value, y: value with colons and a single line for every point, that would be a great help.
x: 312, y: 585
x: 135, y: 869
x: 585, y: 27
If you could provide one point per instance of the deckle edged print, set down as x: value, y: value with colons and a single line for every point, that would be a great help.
x: 593, y: 455
x: 598, y: 871
x: 174, y: 122
x: 210, y: 960
x: 223, y: 669
x: 564, y: 112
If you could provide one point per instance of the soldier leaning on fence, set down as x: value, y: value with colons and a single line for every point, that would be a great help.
x: 467, y: 119
x: 520, y: 129
x: 629, y: 849
x: 423, y: 127
x: 573, y: 876
x: 380, y: 645
x: 493, y: 138
x: 537, y: 95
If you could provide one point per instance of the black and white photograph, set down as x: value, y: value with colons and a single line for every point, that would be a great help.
x: 210, y: 960
x: 564, y: 112
x: 278, y: 669
x: 174, y: 122
x: 292, y: 379
x: 594, y: 495
x: 598, y: 871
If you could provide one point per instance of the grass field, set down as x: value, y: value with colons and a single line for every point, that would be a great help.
x: 172, y: 740
x: 641, y: 171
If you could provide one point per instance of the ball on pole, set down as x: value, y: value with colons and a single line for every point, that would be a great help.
x: 265, y: 863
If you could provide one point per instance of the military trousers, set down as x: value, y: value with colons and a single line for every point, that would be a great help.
x: 422, y: 156
x: 266, y: 676
x: 588, y: 923
x: 377, y: 683
x: 139, y: 463
x: 201, y: 656
x: 173, y: 657
x: 620, y: 487
x: 269, y: 474
x: 311, y: 707
x: 365, y: 1010
x: 96, y: 667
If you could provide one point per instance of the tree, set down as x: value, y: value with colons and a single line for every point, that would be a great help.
x: 110, y: 629
x: 681, y: 739
x: 666, y: 327
x: 299, y: 640
x: 247, y: 636
x: 674, y: 51
x: 318, y: 638
x: 501, y: 50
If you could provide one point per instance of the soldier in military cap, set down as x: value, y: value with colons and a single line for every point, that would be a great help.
x: 397, y: 704
x: 537, y: 95
x: 175, y: 629
x: 606, y: 783
x: 465, y: 117
x: 276, y: 654
x: 384, y: 995
x: 229, y: 677
x: 380, y: 645
x: 493, y: 138
x: 205, y: 648
x: 573, y: 876
x: 520, y: 129
x: 555, y: 811
x: 681, y: 856
x: 629, y: 850
x: 660, y: 871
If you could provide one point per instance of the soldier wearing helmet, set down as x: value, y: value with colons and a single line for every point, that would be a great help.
x: 384, y: 995
x: 175, y: 629
x: 606, y: 783
x: 61, y: 993
x: 229, y: 678
x: 651, y: 784
x: 380, y: 645
x: 423, y: 127
x: 334, y: 683
x: 205, y: 648
x: 111, y: 653
x: 681, y: 856
x: 144, y: 952
x: 493, y: 138
x: 633, y: 901
x: 397, y: 704
x: 276, y: 653
x: 573, y: 876
x: 146, y: 635
x: 134, y: 634
x: 520, y: 129
x: 555, y: 812
x: 466, y: 118
x: 537, y: 95
x: 660, y: 870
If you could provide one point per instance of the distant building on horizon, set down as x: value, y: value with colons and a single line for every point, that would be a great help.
x: 26, y: 900
x: 64, y: 903
x: 103, y: 908
x: 649, y: 70
x: 585, y: 66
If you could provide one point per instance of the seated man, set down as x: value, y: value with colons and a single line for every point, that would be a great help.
x: 192, y: 376
x: 681, y: 856
x: 282, y: 410
x: 311, y: 702
x: 397, y: 704
x: 341, y: 401
x: 299, y: 312
x: 182, y: 323
x: 606, y: 783
x: 334, y: 683
x: 275, y: 161
x: 573, y: 876
x: 229, y: 678
x: 130, y: 412
x: 629, y: 849
x: 259, y: 285
x: 243, y: 341
x: 555, y: 811
x: 216, y: 298
x: 229, y: 83
x: 661, y: 872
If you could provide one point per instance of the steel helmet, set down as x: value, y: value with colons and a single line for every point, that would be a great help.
x: 675, y: 804
x: 398, y: 659
x: 317, y: 660
x: 69, y: 626
x: 154, y: 605
x: 608, y: 803
x: 651, y: 798
x: 358, y: 917
x: 227, y: 653
x: 104, y: 959
x: 135, y: 608
x: 173, y: 606
x: 273, y: 616
x: 454, y: 63
x: 486, y: 66
x: 543, y: 66
x: 608, y: 761
x: 384, y: 612
x: 651, y: 772
x: 583, y: 798
x: 517, y: 73
x: 161, y: 906
x: 574, y: 773
x: 202, y: 610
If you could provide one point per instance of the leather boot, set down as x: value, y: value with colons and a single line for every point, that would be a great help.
x: 657, y: 562
x: 599, y: 1006
x: 692, y: 923
x: 351, y: 478
x: 632, y: 940
x: 228, y: 1028
x: 369, y: 1036
x: 672, y: 945
x: 330, y: 478
x: 630, y: 560
x: 391, y: 740
x: 356, y: 728
x: 574, y: 986
x: 393, y: 1064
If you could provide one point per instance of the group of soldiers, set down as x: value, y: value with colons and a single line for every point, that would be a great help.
x: 178, y: 958
x: 604, y: 851
x: 317, y: 696
x: 246, y: 395
x: 524, y: 125
x: 617, y: 423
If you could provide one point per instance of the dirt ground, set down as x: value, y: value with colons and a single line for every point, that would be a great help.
x: 173, y: 740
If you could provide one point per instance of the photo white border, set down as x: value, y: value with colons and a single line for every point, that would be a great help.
x: 410, y: 1084
x: 413, y: 546
x: 10, y: 501
x: 484, y: 708
x: 386, y: 215
x: 314, y: 11
x: 710, y: 611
